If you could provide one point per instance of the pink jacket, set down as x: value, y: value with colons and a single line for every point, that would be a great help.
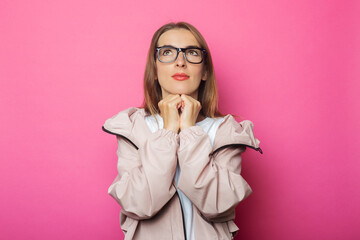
x: 210, y: 177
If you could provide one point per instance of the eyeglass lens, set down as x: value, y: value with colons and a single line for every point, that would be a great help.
x: 192, y: 55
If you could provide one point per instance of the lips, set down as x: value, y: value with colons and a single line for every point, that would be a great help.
x: 180, y: 76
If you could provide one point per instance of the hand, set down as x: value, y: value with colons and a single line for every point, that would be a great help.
x: 190, y: 109
x: 169, y: 111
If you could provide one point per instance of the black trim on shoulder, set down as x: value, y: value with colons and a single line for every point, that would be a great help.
x: 107, y: 131
x: 236, y: 145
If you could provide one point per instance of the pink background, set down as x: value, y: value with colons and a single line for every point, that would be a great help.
x: 292, y: 67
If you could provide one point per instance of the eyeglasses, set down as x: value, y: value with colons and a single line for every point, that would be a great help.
x: 168, y: 54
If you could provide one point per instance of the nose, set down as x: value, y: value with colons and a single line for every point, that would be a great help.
x: 180, y: 61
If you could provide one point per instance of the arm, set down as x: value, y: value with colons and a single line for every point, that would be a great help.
x: 213, y: 183
x: 144, y: 181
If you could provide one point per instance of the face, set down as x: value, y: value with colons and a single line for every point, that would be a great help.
x: 180, y: 38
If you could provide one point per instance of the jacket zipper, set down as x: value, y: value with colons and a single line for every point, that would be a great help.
x: 105, y: 130
x: 182, y: 212
x: 236, y: 145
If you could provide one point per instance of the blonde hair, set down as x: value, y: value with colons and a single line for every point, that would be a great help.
x: 207, y: 92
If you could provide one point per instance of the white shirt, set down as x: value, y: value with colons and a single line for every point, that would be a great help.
x: 210, y: 126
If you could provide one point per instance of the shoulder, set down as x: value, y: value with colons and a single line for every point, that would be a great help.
x: 232, y: 132
x: 121, y: 122
x: 125, y: 116
x: 229, y: 122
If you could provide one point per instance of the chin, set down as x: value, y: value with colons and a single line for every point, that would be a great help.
x: 180, y: 90
x: 184, y: 91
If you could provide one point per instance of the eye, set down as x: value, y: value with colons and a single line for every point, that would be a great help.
x: 193, y: 52
x: 166, y: 52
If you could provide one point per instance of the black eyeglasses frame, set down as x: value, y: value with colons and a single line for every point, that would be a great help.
x: 178, y: 50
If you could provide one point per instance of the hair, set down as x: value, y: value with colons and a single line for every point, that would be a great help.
x: 207, y: 92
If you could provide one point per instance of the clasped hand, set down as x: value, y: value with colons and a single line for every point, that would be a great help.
x: 179, y: 111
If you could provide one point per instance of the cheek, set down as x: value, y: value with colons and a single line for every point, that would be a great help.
x: 161, y: 70
x: 198, y: 71
x: 161, y: 74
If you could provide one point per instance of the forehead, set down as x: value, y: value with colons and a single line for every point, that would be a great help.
x: 178, y: 38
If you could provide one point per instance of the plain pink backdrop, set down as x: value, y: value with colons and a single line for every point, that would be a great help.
x: 291, y: 67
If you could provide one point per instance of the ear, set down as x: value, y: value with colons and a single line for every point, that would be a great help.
x: 204, y: 77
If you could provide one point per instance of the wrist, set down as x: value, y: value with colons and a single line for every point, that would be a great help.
x: 186, y: 125
x: 172, y: 128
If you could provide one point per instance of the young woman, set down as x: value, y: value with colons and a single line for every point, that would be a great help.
x: 179, y: 159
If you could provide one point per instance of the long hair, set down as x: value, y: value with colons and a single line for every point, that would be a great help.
x: 207, y: 92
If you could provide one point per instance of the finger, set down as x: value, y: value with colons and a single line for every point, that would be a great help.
x: 174, y: 102
x: 185, y: 98
x: 172, y: 97
x: 168, y: 99
x: 188, y: 101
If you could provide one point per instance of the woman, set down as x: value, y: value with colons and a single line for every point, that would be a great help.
x: 179, y: 159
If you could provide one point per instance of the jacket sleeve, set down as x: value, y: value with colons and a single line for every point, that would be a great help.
x: 212, y: 182
x: 145, y: 176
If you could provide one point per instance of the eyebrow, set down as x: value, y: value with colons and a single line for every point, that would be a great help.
x: 189, y: 46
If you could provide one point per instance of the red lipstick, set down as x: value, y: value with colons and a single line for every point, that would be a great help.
x: 180, y: 76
